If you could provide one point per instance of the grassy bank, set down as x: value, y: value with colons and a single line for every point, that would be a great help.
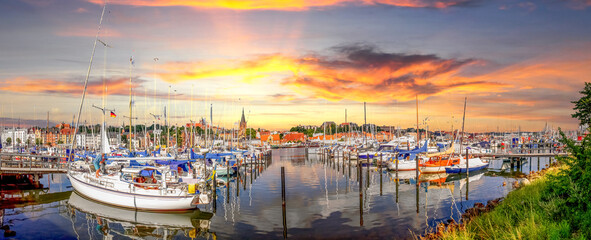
x: 526, y: 213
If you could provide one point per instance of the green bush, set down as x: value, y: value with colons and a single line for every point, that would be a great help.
x: 570, y: 188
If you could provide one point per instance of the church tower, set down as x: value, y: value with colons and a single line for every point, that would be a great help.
x: 243, y: 125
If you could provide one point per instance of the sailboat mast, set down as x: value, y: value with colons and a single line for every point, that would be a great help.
x: 211, y: 121
x: 463, y: 120
x: 418, y: 133
x: 364, y: 123
x: 348, y: 126
x: 168, y: 121
x: 73, y: 145
x: 130, y: 107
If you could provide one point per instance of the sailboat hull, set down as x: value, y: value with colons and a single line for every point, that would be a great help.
x: 129, y: 199
x: 403, y: 166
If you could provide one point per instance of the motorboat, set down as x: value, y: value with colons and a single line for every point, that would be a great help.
x: 474, y: 164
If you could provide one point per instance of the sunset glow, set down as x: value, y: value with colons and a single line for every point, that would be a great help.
x: 519, y: 63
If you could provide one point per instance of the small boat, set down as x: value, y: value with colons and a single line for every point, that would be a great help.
x: 403, y: 165
x: 475, y: 164
x: 437, y: 164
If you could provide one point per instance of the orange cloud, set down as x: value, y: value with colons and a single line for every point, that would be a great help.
x: 557, y: 74
x: 356, y: 72
x: 284, y: 5
x: 118, y: 86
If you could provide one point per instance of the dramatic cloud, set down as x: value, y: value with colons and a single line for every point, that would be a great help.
x: 118, y: 86
x: 292, y: 5
x: 352, y: 72
x: 115, y: 87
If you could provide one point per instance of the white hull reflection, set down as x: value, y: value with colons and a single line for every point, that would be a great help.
x: 194, y: 223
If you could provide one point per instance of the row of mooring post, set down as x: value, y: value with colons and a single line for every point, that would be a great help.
x: 265, y: 160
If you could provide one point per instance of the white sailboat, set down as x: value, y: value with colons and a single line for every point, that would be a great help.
x: 130, y: 185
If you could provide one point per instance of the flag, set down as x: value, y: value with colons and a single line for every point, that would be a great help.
x: 113, y: 114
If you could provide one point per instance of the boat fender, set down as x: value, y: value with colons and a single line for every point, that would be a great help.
x: 192, y: 188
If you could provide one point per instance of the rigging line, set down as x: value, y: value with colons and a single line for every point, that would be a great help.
x: 86, y: 81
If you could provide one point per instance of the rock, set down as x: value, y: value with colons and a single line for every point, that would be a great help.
x: 525, y: 182
x: 478, y: 205
x: 516, y: 184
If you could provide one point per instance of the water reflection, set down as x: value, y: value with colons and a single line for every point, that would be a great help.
x: 324, y: 199
x: 103, y: 220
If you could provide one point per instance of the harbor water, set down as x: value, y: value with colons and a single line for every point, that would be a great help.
x: 324, y: 200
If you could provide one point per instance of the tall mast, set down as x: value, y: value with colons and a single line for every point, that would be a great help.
x: 418, y: 133
x: 364, y: 123
x: 191, y: 117
x: 463, y: 120
x: 47, y: 129
x: 167, y: 121
x: 348, y: 126
x: 211, y: 121
x: 73, y: 145
x: 130, y: 107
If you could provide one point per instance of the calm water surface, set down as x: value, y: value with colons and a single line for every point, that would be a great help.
x: 323, y: 201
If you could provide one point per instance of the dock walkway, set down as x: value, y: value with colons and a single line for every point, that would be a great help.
x: 31, y: 163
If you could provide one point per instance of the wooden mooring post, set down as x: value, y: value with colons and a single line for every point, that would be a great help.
x: 349, y: 164
x: 360, y: 172
x: 227, y: 189
x: 368, y: 173
x: 381, y: 161
x: 214, y: 191
x: 283, y: 202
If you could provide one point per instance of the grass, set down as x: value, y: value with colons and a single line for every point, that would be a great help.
x: 524, y: 214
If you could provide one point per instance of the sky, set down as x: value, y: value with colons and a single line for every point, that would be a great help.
x: 518, y: 63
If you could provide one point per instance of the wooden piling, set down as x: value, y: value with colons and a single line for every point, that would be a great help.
x: 360, y: 172
x: 358, y: 167
x: 283, y: 202
x: 214, y: 191
x: 238, y: 181
x: 227, y: 189
x: 343, y: 154
x: 397, y: 180
x: 368, y: 170
x: 349, y: 164
x: 396, y: 166
x: 381, y: 161
x: 467, y: 163
x: 417, y: 195
x: 417, y: 171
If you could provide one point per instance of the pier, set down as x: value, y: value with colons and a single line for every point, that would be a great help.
x: 31, y: 163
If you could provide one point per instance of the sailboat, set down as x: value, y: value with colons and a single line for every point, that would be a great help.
x: 125, y: 182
